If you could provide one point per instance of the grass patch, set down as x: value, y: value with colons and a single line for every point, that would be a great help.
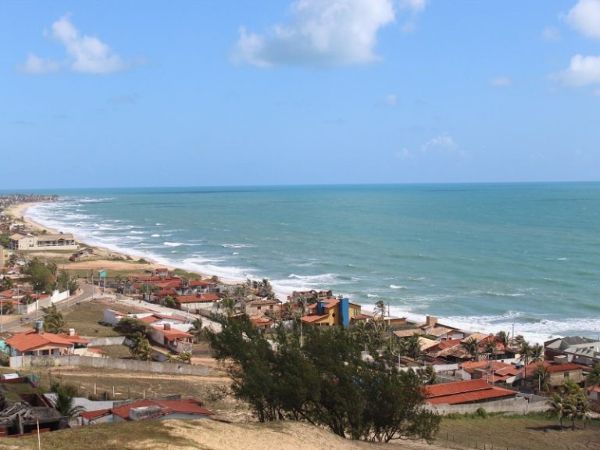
x: 531, y: 432
x: 115, y: 351
x: 85, y: 318
x: 119, y: 436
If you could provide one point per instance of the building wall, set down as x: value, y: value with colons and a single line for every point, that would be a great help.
x: 558, y: 379
x: 517, y: 405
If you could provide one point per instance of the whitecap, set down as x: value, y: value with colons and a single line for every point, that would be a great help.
x: 172, y: 244
x: 397, y: 286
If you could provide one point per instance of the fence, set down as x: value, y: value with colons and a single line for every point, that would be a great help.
x: 102, y: 341
x: 518, y: 405
x: 19, y: 362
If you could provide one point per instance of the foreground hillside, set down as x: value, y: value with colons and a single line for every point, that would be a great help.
x: 193, y: 435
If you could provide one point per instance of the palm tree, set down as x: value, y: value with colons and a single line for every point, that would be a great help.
x: 542, y: 376
x: 64, y: 402
x: 490, y: 347
x: 536, y: 353
x: 53, y: 320
x: 471, y: 346
x: 525, y: 351
x: 593, y: 377
x: 502, y: 337
x: 558, y: 408
x: 412, y: 346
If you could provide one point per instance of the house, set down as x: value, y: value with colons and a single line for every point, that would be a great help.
x: 259, y: 307
x: 60, y: 241
x: 148, y: 409
x: 465, y: 392
x: 558, y: 371
x: 37, y: 343
x: 579, y: 350
x: 493, y: 372
x: 331, y: 311
x: 172, y: 337
x: 432, y: 327
x: 192, y: 303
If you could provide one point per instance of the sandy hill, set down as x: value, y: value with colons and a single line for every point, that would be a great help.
x: 194, y: 435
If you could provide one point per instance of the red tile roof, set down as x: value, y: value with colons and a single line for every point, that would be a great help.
x: 31, y: 340
x: 464, y: 392
x: 313, y: 318
x: 201, y: 283
x: 92, y: 415
x: 173, y: 333
x: 202, y: 298
x: 167, y: 407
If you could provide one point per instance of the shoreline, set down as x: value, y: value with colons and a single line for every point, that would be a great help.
x: 128, y: 261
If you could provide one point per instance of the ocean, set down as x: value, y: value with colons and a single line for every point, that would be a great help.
x: 480, y: 256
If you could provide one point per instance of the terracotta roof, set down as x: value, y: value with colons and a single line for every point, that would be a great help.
x: 313, y: 318
x: 550, y: 367
x: 75, y: 339
x: 464, y: 392
x: 201, y: 283
x: 202, y: 298
x: 173, y: 333
x: 408, y: 333
x: 92, y: 415
x: 31, y: 340
x: 167, y: 407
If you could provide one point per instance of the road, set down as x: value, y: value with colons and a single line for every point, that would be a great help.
x: 87, y: 293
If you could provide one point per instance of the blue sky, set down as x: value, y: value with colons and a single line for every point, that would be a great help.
x: 108, y: 94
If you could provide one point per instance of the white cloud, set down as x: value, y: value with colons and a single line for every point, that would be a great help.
x: 441, y: 146
x: 583, y: 71
x: 85, y: 54
x: 413, y: 5
x: 36, y: 66
x: 551, y: 34
x: 585, y: 18
x: 321, y: 32
x: 391, y: 99
x: 441, y: 142
x: 88, y: 53
x: 501, y: 81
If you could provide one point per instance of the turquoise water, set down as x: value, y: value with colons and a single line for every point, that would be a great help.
x: 482, y: 256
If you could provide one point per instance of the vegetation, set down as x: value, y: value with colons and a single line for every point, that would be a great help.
x: 41, y: 275
x: 140, y: 347
x: 65, y: 282
x: 325, y: 381
x: 64, y: 400
x: 7, y: 307
x: 53, y: 320
x: 593, y: 378
x: 130, y: 327
x: 570, y: 403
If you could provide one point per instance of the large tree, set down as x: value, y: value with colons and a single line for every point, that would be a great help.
x: 326, y: 381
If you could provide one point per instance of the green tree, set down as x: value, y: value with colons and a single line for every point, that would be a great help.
x: 140, y: 347
x: 542, y: 377
x: 130, y: 327
x: 326, y: 381
x: 593, y: 378
x: 525, y: 351
x: 64, y: 400
x: 196, y: 329
x: 471, y: 347
x: 502, y: 337
x: 53, y: 320
x: 169, y: 302
x: 570, y: 403
x: 41, y: 276
x: 185, y: 357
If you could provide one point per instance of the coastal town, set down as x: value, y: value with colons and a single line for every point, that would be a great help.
x: 69, y: 308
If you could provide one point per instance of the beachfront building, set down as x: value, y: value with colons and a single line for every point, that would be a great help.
x: 331, y: 312
x: 61, y: 241
x: 262, y: 306
x: 194, y: 303
x: 172, y: 336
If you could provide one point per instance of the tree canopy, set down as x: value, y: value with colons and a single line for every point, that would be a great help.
x: 326, y: 381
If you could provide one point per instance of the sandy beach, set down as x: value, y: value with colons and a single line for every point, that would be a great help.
x: 104, y: 258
